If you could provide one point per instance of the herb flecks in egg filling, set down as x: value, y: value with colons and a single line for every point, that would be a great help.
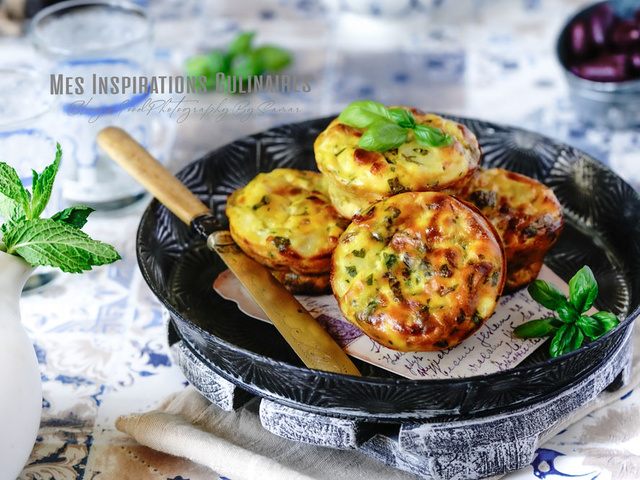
x: 284, y: 220
x: 263, y: 201
x: 432, y: 273
x: 526, y: 214
x: 358, y: 178
x: 281, y: 243
x: 395, y: 186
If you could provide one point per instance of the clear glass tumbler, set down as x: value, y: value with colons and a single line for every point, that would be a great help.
x: 28, y: 136
x: 97, y: 55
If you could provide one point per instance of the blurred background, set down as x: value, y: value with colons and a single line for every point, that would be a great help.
x: 490, y: 59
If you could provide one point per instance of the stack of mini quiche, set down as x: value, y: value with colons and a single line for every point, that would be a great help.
x: 417, y: 243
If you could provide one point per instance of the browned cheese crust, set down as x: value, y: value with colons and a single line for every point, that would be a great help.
x: 303, y: 284
x: 358, y: 178
x: 284, y: 220
x: 419, y: 271
x: 527, y: 215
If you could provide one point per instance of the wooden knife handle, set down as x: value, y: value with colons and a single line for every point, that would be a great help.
x: 151, y: 174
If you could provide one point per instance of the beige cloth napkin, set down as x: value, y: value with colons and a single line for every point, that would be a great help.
x: 235, y: 445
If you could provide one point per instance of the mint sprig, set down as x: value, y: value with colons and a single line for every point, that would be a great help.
x: 571, y: 328
x: 56, y: 241
x: 388, y: 128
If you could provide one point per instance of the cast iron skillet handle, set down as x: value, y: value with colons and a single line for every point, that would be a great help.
x: 158, y: 180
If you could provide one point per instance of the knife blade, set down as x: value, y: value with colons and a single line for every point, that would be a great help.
x: 309, y: 340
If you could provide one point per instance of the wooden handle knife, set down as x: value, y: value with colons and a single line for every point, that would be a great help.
x: 308, y: 339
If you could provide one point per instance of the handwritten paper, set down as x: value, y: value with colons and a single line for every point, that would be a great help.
x: 491, y: 349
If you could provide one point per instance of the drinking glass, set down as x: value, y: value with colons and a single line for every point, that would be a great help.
x: 28, y: 136
x: 97, y: 55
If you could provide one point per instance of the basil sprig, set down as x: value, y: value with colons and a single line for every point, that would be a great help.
x: 388, y: 128
x: 571, y: 327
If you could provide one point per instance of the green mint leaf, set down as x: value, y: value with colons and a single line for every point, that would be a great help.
x: 11, y: 186
x: 607, y: 319
x: 241, y: 45
x: 363, y: 114
x: 383, y: 135
x: 43, y: 185
x: 568, y: 338
x: 583, y: 289
x: 10, y: 210
x: 431, y: 136
x: 74, y: 216
x: 547, y: 294
x: 538, y: 328
x: 45, y: 241
x: 402, y: 117
x: 272, y: 58
x: 591, y: 327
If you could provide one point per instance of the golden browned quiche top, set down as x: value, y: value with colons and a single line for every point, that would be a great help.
x: 284, y: 220
x: 358, y: 178
x: 419, y: 271
x: 526, y: 213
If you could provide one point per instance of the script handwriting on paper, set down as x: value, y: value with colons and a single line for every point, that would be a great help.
x: 491, y: 349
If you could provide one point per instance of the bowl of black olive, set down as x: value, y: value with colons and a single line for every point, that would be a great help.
x: 599, y: 50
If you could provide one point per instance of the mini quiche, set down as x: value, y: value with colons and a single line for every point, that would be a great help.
x: 284, y: 220
x: 526, y: 214
x: 358, y: 178
x: 298, y: 283
x: 419, y: 271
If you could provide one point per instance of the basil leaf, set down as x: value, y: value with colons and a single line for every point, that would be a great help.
x: 431, y: 136
x: 583, y: 289
x: 402, y: 117
x: 591, y: 327
x: 43, y: 185
x: 382, y: 136
x: 241, y: 45
x: 567, y: 339
x: 567, y: 313
x: 607, y: 319
x: 547, y: 294
x: 75, y: 216
x: 272, y: 58
x: 537, y: 328
x: 11, y: 186
x: 45, y: 241
x: 363, y: 114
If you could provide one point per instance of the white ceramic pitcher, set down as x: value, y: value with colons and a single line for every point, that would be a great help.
x: 20, y: 382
